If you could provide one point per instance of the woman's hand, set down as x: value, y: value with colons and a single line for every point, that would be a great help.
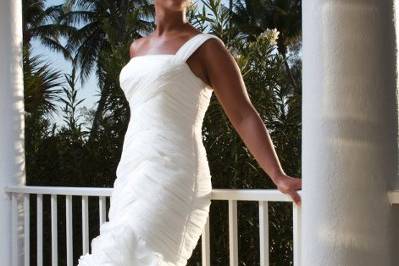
x: 289, y: 185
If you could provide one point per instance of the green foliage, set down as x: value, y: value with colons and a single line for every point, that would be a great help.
x: 71, y: 104
x: 41, y: 85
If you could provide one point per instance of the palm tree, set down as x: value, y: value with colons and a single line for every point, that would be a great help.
x: 41, y: 81
x: 100, y: 27
x: 41, y: 85
x: 41, y: 23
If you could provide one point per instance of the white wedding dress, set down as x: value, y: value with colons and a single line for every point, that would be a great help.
x: 161, y: 196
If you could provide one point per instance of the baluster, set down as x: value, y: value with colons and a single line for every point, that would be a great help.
x: 14, y: 229
x: 264, y: 233
x: 68, y: 205
x: 233, y: 236
x: 102, y: 207
x: 205, y: 245
x: 39, y: 229
x: 54, y: 231
x: 26, y: 229
x: 296, y: 234
x: 85, y: 224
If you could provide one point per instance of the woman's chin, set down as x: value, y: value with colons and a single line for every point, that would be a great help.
x: 173, y: 5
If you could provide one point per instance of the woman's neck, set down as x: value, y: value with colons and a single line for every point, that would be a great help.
x: 169, y: 21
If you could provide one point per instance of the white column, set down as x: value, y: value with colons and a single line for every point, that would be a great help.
x: 12, y: 155
x: 349, y: 132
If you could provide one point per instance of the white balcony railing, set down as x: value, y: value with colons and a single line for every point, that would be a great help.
x: 17, y: 193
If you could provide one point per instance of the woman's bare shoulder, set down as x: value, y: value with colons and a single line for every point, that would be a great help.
x: 215, y: 49
x: 134, y: 46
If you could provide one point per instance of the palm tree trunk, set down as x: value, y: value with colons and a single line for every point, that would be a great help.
x: 98, y: 116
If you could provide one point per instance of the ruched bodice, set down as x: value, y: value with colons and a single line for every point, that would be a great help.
x: 161, y: 196
x: 169, y: 97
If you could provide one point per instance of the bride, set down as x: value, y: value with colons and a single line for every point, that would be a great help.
x: 161, y: 196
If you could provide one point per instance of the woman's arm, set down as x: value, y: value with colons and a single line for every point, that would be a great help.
x: 226, y: 80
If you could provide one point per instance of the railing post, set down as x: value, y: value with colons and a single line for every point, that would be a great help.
x: 102, y: 209
x: 39, y: 229
x: 14, y: 230
x: 264, y: 233
x: 54, y: 230
x: 12, y: 154
x: 26, y: 229
x: 69, y: 229
x: 233, y: 233
x: 296, y: 228
x: 85, y: 225
x: 205, y: 245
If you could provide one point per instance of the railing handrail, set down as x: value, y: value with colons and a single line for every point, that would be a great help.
x: 217, y: 194
x: 61, y: 190
x: 250, y: 195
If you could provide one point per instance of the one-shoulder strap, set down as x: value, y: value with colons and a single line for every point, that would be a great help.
x: 192, y: 44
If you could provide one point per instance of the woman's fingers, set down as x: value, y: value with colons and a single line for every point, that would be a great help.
x: 289, y: 185
x: 294, y: 194
x: 299, y: 183
x: 295, y: 197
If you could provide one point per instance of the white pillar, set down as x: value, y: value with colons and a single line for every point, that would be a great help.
x: 349, y: 132
x: 12, y: 155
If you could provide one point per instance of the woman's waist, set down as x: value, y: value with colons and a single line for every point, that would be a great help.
x: 173, y: 135
x: 155, y: 143
x: 162, y: 124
